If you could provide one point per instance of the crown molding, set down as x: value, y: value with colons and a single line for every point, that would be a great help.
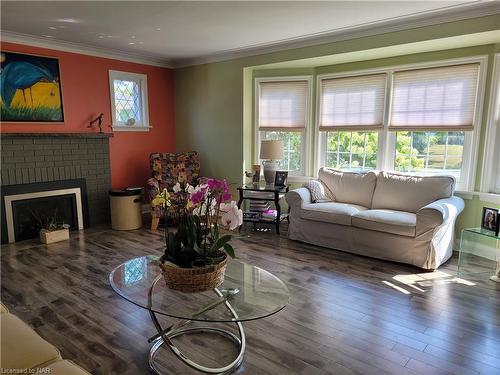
x: 85, y: 49
x: 421, y: 19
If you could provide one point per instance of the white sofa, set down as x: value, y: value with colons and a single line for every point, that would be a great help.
x: 23, y: 351
x: 397, y: 217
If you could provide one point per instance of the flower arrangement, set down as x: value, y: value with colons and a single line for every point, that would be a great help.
x: 201, y: 211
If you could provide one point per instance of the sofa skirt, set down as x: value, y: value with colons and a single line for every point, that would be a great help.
x: 426, y: 251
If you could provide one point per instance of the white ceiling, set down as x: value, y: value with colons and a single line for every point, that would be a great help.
x: 175, y: 31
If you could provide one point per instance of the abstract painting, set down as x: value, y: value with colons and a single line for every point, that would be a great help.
x: 30, y: 88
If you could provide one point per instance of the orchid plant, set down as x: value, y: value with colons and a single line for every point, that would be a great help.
x: 201, y: 211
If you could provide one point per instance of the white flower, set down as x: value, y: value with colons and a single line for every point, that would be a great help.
x: 177, y: 187
x: 197, y: 211
x: 232, y: 216
x: 202, y: 210
x: 189, y: 189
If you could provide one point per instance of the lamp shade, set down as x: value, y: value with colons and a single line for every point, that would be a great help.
x: 271, y: 150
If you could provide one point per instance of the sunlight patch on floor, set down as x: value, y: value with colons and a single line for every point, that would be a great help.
x: 428, y: 279
x: 398, y: 288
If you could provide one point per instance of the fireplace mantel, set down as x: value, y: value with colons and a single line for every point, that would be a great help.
x: 50, y: 135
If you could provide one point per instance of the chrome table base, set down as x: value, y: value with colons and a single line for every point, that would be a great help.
x: 164, y: 337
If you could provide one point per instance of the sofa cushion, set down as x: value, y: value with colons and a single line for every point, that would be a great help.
x: 330, y: 212
x: 21, y: 347
x: 349, y: 187
x: 410, y: 193
x: 388, y: 221
x: 65, y: 368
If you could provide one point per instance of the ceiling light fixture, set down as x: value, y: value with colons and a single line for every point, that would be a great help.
x: 131, y: 43
x: 48, y: 36
x: 69, y: 20
x: 52, y: 27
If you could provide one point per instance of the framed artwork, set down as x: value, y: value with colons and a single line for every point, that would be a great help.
x: 30, y: 88
x: 255, y: 173
x: 280, y: 178
x: 489, y: 219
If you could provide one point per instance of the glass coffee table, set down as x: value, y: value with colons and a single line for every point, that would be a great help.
x: 248, y: 293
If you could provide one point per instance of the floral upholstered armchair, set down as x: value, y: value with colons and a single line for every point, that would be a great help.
x: 167, y: 170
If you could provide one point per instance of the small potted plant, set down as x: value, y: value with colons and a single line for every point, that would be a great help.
x: 52, y: 230
x: 196, y: 253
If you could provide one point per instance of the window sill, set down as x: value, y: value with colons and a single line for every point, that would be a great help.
x: 486, y: 197
x: 121, y: 128
x: 298, y: 179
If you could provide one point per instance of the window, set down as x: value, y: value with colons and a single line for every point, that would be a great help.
x: 418, y: 120
x: 430, y: 152
x: 292, y: 149
x: 351, y: 150
x: 282, y: 107
x: 349, y: 108
x: 129, y: 104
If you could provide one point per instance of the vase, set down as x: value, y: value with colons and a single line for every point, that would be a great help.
x: 195, y: 279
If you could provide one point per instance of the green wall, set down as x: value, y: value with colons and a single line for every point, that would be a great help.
x: 213, y: 102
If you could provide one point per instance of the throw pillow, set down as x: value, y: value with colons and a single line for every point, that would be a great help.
x: 318, y: 191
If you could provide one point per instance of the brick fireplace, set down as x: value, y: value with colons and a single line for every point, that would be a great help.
x: 31, y: 159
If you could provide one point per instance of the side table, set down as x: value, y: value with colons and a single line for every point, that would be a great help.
x: 271, y: 193
x: 479, y: 234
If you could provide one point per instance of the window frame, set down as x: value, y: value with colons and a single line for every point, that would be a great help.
x: 491, y: 172
x: 306, y: 146
x: 142, y: 81
x: 386, y: 150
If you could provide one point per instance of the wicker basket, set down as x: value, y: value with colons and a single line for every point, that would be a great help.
x: 192, y: 280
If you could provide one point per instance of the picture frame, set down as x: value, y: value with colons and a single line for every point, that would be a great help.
x: 489, y: 219
x: 280, y: 178
x: 32, y: 90
x: 255, y: 173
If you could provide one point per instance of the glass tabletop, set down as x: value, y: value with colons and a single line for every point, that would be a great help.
x: 483, y: 232
x: 252, y: 292
x: 263, y: 187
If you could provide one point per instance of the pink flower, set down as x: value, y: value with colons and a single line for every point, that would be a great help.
x: 197, y: 196
x: 213, y: 184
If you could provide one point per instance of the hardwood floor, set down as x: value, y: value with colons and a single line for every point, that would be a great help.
x: 347, y: 314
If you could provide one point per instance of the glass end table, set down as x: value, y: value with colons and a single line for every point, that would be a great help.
x: 247, y: 293
x: 478, y: 236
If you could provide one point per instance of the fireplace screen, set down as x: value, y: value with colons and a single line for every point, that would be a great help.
x: 30, y: 215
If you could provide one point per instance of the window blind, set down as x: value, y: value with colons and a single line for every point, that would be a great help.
x: 441, y: 98
x: 282, y: 105
x: 352, y: 103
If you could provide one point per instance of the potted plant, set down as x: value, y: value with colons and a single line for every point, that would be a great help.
x: 196, y: 253
x: 52, y: 230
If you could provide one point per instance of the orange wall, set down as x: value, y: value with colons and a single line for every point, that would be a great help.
x: 85, y: 90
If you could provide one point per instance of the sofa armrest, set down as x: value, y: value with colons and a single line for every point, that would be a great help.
x: 437, y: 213
x: 296, y: 198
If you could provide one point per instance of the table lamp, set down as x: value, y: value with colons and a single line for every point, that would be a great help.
x: 271, y: 151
